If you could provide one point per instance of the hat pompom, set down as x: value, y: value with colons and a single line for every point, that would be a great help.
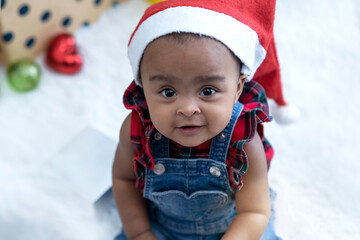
x: 285, y: 114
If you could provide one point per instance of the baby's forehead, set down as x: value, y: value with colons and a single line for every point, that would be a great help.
x: 185, y: 38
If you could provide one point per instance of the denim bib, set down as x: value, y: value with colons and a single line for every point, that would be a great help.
x: 191, y: 196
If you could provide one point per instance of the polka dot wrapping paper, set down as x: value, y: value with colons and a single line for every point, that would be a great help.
x: 27, y: 26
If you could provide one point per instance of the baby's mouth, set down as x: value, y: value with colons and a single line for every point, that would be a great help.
x: 188, y: 127
x: 187, y: 130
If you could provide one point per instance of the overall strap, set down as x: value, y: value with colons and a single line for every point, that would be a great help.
x: 159, y: 144
x: 220, y: 143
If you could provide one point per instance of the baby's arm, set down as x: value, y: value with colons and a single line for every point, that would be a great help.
x: 252, y: 201
x: 129, y: 201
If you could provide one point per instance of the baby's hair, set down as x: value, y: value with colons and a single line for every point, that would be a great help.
x: 183, y: 37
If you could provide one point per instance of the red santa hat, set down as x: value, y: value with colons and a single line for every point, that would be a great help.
x: 244, y: 26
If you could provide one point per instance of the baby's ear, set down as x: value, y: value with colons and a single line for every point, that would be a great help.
x: 240, y: 86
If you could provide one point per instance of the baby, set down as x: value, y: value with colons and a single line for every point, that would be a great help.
x: 192, y: 159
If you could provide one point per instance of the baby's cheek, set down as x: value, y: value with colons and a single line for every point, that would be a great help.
x: 161, y: 122
x: 221, y: 123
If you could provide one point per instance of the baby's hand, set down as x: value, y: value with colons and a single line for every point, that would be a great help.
x: 145, y: 236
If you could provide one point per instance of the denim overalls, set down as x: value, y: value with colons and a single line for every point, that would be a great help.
x: 190, y: 198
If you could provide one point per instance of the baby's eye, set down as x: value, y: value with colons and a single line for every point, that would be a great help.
x: 168, y: 92
x: 207, y: 91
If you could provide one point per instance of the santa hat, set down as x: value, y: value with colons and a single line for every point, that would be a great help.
x: 244, y: 26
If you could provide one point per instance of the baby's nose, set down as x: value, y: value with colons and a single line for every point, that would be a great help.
x: 188, y: 107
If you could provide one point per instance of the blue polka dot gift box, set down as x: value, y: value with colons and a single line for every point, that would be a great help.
x: 27, y: 26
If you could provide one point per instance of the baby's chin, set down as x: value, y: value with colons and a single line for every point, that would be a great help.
x: 192, y: 139
x: 190, y: 142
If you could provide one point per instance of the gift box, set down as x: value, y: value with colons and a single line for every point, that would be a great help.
x: 27, y: 26
x: 82, y: 166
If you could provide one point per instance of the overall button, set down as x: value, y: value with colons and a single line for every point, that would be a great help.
x: 222, y: 135
x: 159, y: 169
x: 215, y: 171
x: 157, y: 136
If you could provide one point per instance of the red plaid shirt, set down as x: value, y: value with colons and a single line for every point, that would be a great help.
x: 255, y: 112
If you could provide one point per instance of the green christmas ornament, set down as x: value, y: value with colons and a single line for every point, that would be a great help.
x: 24, y: 75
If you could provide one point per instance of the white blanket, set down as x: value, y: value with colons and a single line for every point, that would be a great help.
x: 316, y: 169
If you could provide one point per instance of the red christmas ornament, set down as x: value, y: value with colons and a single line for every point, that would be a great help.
x: 62, y: 55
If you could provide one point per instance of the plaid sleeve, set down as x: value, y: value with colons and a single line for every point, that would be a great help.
x: 255, y: 112
x: 134, y: 99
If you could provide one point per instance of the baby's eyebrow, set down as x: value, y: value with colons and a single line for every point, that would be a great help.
x: 163, y: 78
x: 199, y: 79
x: 210, y: 78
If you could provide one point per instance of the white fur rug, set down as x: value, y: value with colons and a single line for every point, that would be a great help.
x: 316, y: 169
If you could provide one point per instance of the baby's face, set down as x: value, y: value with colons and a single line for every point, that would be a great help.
x: 190, y: 88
